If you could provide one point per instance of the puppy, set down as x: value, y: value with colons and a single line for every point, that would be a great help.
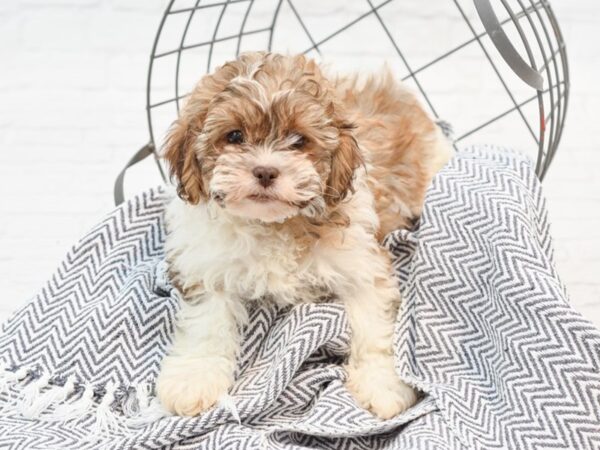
x: 287, y: 182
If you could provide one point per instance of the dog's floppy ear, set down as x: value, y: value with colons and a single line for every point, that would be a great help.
x: 345, y: 160
x: 179, y: 151
x: 180, y: 146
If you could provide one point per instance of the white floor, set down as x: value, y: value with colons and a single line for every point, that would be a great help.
x: 72, y: 101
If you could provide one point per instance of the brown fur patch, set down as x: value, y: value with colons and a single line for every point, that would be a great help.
x: 400, y: 141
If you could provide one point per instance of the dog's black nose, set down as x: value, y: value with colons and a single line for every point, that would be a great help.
x: 265, y: 175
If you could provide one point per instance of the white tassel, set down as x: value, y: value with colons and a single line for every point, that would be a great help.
x: 105, y: 418
x: 264, y: 440
x: 32, y: 392
x: 132, y: 407
x: 226, y: 401
x: 149, y: 408
x: 153, y: 412
x: 9, y: 378
x: 129, y: 404
x: 3, y: 379
x: 54, y: 396
x: 143, y: 396
x: 77, y: 409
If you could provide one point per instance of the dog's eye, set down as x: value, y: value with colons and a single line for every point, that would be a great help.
x: 300, y: 142
x: 235, y: 137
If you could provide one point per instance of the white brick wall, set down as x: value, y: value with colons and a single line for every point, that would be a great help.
x: 72, y: 97
x: 573, y: 184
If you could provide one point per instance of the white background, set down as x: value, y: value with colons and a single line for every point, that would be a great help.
x: 72, y: 98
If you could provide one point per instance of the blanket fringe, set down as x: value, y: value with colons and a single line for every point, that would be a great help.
x: 143, y: 396
x: 75, y: 410
x: 148, y: 409
x: 136, y: 400
x: 105, y: 418
x: 42, y: 396
x: 31, y: 393
x: 54, y: 396
x: 9, y: 378
x: 153, y: 412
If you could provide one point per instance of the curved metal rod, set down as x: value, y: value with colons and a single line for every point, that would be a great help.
x: 275, y: 16
x: 546, y: 67
x: 541, y: 153
x: 304, y: 27
x: 243, y: 28
x: 464, y: 44
x: 179, y: 50
x: 560, y: 91
x: 212, y: 43
x: 140, y: 155
x: 374, y: 10
x: 566, y: 79
x: 149, y: 87
x: 496, y: 71
x: 507, y: 51
x: 552, y: 69
x: 499, y: 116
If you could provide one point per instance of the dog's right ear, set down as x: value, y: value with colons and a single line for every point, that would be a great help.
x: 184, y: 166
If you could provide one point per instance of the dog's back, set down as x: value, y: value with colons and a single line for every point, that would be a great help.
x: 403, y: 147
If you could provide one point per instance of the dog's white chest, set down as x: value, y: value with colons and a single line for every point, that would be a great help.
x: 277, y: 269
x: 249, y: 261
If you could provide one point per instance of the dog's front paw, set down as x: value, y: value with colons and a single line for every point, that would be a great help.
x: 375, y: 386
x: 187, y: 387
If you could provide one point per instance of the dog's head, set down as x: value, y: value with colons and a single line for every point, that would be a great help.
x: 266, y: 138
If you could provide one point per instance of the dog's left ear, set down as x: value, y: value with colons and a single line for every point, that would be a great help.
x: 346, y: 159
x: 183, y: 162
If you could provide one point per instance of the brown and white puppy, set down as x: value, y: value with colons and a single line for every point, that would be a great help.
x: 288, y: 180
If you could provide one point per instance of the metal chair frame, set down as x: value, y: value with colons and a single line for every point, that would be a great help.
x: 549, y: 79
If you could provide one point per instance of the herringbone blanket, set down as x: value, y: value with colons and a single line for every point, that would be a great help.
x: 486, y: 333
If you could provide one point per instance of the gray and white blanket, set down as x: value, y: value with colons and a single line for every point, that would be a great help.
x: 486, y: 333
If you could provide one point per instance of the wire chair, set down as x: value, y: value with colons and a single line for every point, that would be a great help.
x: 516, y: 92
